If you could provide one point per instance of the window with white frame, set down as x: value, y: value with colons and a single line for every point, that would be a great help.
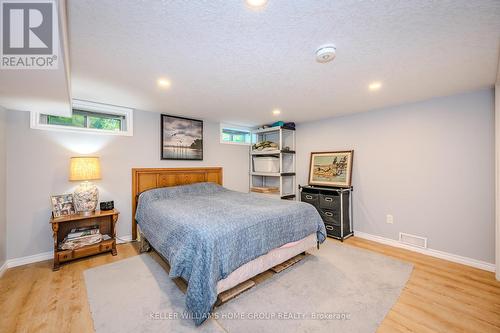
x: 88, y: 117
x: 235, y: 134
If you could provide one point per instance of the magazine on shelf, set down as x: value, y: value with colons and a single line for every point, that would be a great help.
x: 83, y: 231
x: 72, y: 244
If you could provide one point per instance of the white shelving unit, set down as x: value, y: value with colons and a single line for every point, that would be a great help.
x: 284, y: 179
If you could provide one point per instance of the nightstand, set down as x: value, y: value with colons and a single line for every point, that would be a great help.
x: 61, y: 226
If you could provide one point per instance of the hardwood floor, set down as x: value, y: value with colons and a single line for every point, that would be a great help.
x: 440, y: 296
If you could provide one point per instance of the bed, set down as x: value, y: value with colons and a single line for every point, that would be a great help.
x: 215, y: 238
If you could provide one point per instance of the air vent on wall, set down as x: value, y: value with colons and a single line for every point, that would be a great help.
x: 413, y: 240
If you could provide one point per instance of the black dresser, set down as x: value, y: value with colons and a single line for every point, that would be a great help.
x: 334, y: 207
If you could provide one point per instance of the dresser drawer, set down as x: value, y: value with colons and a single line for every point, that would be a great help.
x: 86, y: 251
x: 333, y: 230
x: 311, y: 198
x: 329, y: 201
x: 65, y: 255
x: 330, y: 216
x: 106, y: 246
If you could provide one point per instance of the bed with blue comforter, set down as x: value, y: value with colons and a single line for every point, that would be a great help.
x: 206, y: 231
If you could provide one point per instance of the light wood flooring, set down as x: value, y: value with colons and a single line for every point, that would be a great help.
x: 440, y: 296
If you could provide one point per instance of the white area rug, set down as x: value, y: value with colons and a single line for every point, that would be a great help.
x: 336, y: 289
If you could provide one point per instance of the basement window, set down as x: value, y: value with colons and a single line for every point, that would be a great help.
x: 235, y: 134
x: 88, y: 117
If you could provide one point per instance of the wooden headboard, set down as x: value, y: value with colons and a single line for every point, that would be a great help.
x: 149, y: 178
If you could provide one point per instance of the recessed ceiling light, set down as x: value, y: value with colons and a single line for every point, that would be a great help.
x: 276, y: 112
x: 375, y: 86
x: 256, y: 3
x: 163, y: 83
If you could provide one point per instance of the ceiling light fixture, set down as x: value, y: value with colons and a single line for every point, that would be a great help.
x: 276, y: 112
x: 375, y: 86
x: 256, y: 3
x: 163, y: 83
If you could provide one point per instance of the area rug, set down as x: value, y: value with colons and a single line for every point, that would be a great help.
x: 338, y: 288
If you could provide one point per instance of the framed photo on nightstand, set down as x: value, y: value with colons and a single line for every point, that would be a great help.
x: 62, y: 205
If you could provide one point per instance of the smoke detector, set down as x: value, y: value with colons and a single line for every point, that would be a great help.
x: 325, y: 53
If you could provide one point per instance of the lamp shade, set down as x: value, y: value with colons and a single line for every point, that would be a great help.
x: 84, y: 168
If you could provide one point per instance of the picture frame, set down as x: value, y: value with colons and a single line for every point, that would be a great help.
x: 181, y: 138
x: 62, y: 205
x: 331, y: 169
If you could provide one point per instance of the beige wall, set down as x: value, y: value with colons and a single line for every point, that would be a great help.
x: 38, y: 161
x: 3, y: 223
x: 429, y: 164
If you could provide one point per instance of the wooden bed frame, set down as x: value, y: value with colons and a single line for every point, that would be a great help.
x: 144, y: 179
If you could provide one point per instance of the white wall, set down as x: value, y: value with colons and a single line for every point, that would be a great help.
x: 38, y: 162
x: 497, y: 171
x: 430, y: 164
x: 3, y: 222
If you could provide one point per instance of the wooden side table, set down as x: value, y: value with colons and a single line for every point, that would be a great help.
x: 61, y: 226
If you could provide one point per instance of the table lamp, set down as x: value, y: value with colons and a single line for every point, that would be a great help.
x: 86, y: 195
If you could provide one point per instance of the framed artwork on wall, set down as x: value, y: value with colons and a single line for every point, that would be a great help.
x: 331, y: 168
x: 181, y: 138
x: 62, y: 205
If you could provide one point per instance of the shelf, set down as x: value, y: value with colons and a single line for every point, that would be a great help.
x: 272, y: 174
x: 271, y: 129
x: 283, y: 151
x: 276, y: 195
x: 82, y: 216
x: 266, y: 190
x: 273, y: 152
x: 266, y: 174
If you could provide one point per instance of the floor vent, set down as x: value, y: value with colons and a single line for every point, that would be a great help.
x: 413, y: 240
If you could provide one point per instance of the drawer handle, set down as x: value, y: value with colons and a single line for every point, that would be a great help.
x: 309, y: 197
x: 328, y: 199
x: 329, y: 227
x: 328, y: 214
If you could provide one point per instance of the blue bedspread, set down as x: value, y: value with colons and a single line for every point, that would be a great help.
x: 206, y: 231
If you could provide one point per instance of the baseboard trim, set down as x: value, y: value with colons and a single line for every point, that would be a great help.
x: 387, y: 241
x: 3, y: 268
x: 30, y: 259
x: 45, y: 256
x: 430, y: 252
x: 123, y: 239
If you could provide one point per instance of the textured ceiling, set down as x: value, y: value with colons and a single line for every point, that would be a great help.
x: 229, y: 63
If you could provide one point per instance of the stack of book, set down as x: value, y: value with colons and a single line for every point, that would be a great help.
x: 81, y: 237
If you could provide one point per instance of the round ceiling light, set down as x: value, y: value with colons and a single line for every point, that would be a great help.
x: 325, y: 53
x: 375, y: 85
x: 256, y: 3
x: 163, y: 83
